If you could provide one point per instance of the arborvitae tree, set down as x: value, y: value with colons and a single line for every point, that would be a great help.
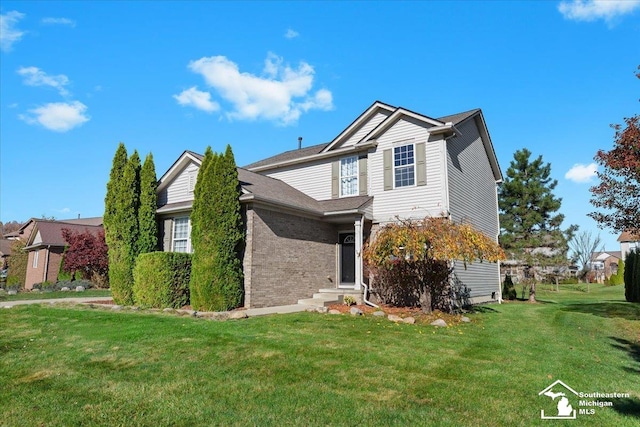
x: 216, y: 235
x: 632, y: 276
x: 111, y: 219
x: 231, y: 232
x: 200, y: 283
x: 113, y: 191
x: 530, y: 227
x: 122, y: 254
x: 148, y: 239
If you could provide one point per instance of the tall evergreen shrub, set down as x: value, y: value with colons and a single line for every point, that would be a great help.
x: 216, y: 235
x: 508, y: 289
x: 632, y: 276
x: 148, y: 227
x: 161, y: 279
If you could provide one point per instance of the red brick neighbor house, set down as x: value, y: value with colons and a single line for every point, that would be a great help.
x: 308, y: 212
x: 45, y: 245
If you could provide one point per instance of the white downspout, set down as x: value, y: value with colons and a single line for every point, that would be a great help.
x: 359, y: 263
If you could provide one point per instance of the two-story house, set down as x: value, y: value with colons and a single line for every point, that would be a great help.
x: 308, y: 212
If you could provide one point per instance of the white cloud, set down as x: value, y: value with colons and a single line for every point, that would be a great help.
x: 197, y: 99
x: 582, y: 173
x: 591, y: 10
x: 59, y: 21
x: 281, y: 94
x: 58, y: 116
x: 291, y: 34
x: 33, y: 76
x: 9, y: 33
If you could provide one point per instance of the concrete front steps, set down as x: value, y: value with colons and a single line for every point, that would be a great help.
x: 327, y: 297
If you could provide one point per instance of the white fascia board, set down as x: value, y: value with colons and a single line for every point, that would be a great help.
x: 177, y: 166
x: 393, y: 118
x: 367, y: 115
x: 323, y: 155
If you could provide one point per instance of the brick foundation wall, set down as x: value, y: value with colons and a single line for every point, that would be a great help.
x: 286, y: 258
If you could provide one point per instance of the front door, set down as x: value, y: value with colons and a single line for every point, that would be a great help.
x: 347, y: 259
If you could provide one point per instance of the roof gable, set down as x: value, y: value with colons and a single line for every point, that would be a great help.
x: 186, y: 158
x: 358, y: 123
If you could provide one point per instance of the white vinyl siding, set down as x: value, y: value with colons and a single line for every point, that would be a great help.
x: 404, y: 166
x: 349, y: 176
x: 473, y: 199
x: 181, y: 235
x: 181, y: 188
x: 313, y: 179
x: 365, y: 129
x: 416, y: 201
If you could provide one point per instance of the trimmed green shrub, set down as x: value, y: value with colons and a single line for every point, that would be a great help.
x: 632, y: 276
x: 618, y: 278
x: 161, y: 279
x: 508, y: 289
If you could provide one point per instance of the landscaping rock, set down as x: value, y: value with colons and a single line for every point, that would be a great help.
x: 116, y: 307
x: 35, y: 291
x: 322, y: 309
x: 12, y: 292
x: 238, y: 315
x: 65, y: 289
x: 217, y: 315
x: 439, y: 322
x: 168, y: 310
x: 135, y: 308
x: 394, y: 318
x: 465, y: 319
x: 79, y: 288
x: 379, y: 313
x: 355, y: 311
x: 334, y: 311
x: 409, y: 320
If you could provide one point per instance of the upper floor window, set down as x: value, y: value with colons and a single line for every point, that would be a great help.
x: 404, y: 166
x: 36, y: 255
x: 181, y: 235
x: 349, y: 176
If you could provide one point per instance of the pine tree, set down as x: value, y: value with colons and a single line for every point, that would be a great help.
x: 148, y: 227
x: 530, y: 226
x: 216, y: 235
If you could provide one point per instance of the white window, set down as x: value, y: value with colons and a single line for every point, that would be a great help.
x: 349, y: 176
x: 404, y: 164
x: 181, y: 235
x: 36, y: 255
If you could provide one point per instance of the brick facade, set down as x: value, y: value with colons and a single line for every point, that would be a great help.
x: 48, y: 263
x: 287, y: 257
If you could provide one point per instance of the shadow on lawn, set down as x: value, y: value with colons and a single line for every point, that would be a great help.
x: 632, y: 349
x: 623, y: 310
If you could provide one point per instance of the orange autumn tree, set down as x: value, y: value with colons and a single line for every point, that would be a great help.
x: 411, y: 261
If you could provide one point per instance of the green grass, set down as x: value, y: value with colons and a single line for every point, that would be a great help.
x: 81, y: 366
x: 21, y: 296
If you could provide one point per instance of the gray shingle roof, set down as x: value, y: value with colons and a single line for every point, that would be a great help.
x: 459, y: 117
x: 344, y: 204
x: 275, y: 191
x: 289, y: 155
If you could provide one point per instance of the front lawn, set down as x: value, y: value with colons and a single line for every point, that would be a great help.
x: 21, y: 296
x: 82, y: 366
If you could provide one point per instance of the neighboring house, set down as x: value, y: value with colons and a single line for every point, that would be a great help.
x: 308, y: 212
x: 605, y: 264
x: 5, y: 252
x: 628, y: 242
x: 45, y: 246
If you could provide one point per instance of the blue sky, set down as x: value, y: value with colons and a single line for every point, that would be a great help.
x: 79, y: 77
